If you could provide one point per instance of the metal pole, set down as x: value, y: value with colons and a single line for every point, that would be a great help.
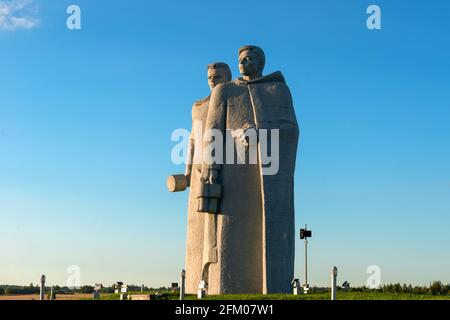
x: 306, y: 261
x: 306, y: 257
x: 182, y: 288
x: 333, y: 283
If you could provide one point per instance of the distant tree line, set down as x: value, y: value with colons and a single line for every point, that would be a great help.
x: 436, y: 288
x: 21, y: 290
x: 13, y: 290
x: 31, y: 289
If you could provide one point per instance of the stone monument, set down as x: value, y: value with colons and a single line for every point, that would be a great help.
x: 217, y: 73
x: 252, y: 233
x: 241, y: 213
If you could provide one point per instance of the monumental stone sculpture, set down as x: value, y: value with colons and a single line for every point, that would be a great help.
x: 252, y: 228
x: 218, y: 72
x: 241, y: 212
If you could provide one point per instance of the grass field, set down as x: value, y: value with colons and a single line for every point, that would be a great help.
x: 312, y: 296
x: 327, y: 296
x: 36, y: 297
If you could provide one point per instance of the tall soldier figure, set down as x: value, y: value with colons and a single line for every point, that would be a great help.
x: 217, y: 73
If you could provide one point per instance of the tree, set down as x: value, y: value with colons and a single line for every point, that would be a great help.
x: 436, y: 288
x: 446, y: 289
x: 9, y: 291
x: 87, y: 289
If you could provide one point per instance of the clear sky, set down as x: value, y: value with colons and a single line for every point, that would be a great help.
x: 86, y: 118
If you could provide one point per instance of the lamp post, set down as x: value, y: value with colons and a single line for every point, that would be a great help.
x: 305, y: 234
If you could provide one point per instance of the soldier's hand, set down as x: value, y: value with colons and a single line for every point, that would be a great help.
x: 213, y: 176
x: 205, y: 175
x: 210, y: 176
x: 243, y: 135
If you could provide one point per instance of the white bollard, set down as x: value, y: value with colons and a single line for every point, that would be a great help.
x: 183, y: 284
x: 123, y: 296
x: 296, y: 287
x: 42, y: 291
x: 202, y: 289
x: 333, y: 283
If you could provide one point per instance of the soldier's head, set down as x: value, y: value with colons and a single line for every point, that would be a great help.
x: 251, y: 61
x: 218, y: 72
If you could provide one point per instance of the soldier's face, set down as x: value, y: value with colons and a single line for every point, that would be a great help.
x: 216, y: 76
x: 248, y: 63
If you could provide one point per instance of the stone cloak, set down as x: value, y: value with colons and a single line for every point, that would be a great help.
x: 255, y: 229
x: 196, y: 220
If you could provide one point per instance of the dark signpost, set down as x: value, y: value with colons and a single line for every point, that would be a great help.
x: 305, y: 234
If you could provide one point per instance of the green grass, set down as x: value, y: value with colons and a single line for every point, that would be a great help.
x: 371, y: 295
x: 327, y: 296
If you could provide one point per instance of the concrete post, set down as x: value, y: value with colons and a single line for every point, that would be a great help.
x: 333, y: 283
x: 42, y: 291
x: 183, y: 284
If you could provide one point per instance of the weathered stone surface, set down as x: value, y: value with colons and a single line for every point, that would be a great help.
x: 240, y: 235
x: 254, y: 229
x: 196, y: 252
x: 177, y: 183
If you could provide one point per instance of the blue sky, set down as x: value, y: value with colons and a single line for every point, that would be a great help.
x: 86, y: 118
